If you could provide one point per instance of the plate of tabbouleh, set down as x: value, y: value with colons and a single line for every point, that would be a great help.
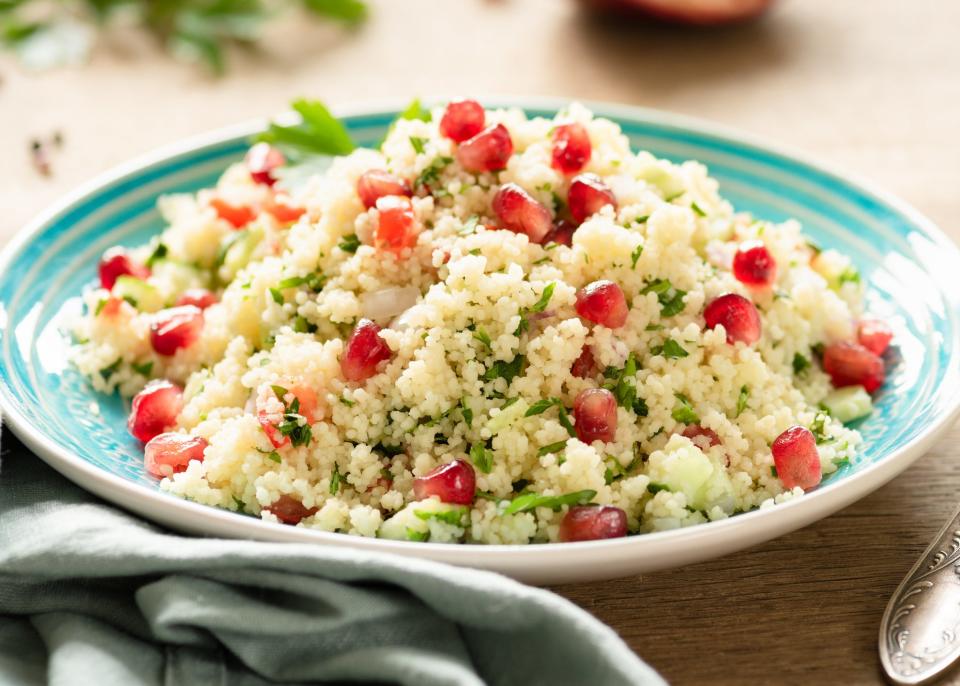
x: 554, y: 340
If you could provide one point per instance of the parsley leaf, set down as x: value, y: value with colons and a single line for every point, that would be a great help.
x: 697, y: 209
x: 466, y: 412
x: 564, y: 420
x: 335, y: 479
x: 417, y: 143
x: 483, y: 337
x: 552, y: 448
x: 111, y: 369
x: 541, y: 406
x: 505, y: 370
x: 481, y: 457
x: 415, y: 110
x: 635, y: 256
x: 800, y: 364
x: 670, y: 298
x: 318, y: 133
x: 277, y: 296
x: 143, y: 369
x: 818, y: 428
x: 431, y: 173
x: 683, y: 411
x: 530, y: 501
x: 349, y: 243
x: 544, y: 300
x: 670, y: 349
x: 158, y: 253
x: 742, y: 400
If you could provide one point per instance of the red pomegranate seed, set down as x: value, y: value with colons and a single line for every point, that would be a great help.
x: 198, y: 297
x: 587, y: 195
x: 738, y: 315
x: 378, y: 183
x: 593, y: 522
x: 701, y: 436
x: 262, y: 160
x: 796, y: 459
x: 851, y: 364
x: 237, y: 215
x: 584, y: 366
x: 519, y: 212
x: 283, y: 209
x: 595, y: 410
x: 397, y: 226
x: 154, y: 409
x: 454, y: 482
x: 602, y: 302
x: 364, y: 351
x: 488, y: 151
x: 874, y: 335
x: 116, y: 262
x: 169, y: 453
x: 561, y: 233
x: 289, y: 510
x: 754, y: 265
x: 571, y: 148
x: 462, y: 119
x: 175, y: 328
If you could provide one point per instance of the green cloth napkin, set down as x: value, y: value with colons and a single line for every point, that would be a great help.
x: 90, y: 595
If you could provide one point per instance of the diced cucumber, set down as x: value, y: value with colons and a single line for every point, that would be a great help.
x: 849, y: 403
x: 670, y: 185
x: 139, y: 293
x: 684, y: 468
x: 237, y: 251
x: 507, y: 417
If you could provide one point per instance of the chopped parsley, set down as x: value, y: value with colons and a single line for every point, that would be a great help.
x: 313, y: 280
x: 849, y: 275
x: 742, y: 400
x: 335, y: 479
x: 656, y: 488
x: 683, y: 411
x: 415, y: 110
x: 565, y: 422
x: 349, y: 243
x: 635, y: 256
x: 552, y: 448
x: 481, y: 457
x: 541, y: 406
x: 622, y: 383
x: 483, y: 337
x: 318, y: 133
x: 505, y: 370
x: 301, y: 325
x: 294, y: 425
x: 276, y: 295
x: 274, y: 455
x: 239, y: 504
x: 100, y: 305
x: 800, y: 364
x: 347, y: 401
x: 111, y: 369
x: 669, y: 349
x: 530, y: 501
x: 143, y: 369
x: 773, y: 471
x: 158, y: 253
x: 671, y: 299
x: 697, y: 209
x: 417, y: 143
x: 419, y: 536
x: 818, y: 428
x: 466, y: 412
x: 538, y: 306
x: 817, y: 350
x: 431, y: 173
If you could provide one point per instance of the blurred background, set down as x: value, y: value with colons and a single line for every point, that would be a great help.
x: 872, y: 86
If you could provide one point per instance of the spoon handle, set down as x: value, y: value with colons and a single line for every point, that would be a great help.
x: 920, y: 630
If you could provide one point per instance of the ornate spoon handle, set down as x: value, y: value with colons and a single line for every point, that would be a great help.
x: 920, y: 631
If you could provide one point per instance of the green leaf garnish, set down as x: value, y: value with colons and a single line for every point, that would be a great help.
x: 143, y: 369
x: 635, y: 256
x: 505, y: 370
x: 530, y: 501
x: 552, y: 448
x: 683, y: 411
x: 318, y: 133
x: 742, y: 400
x: 417, y: 143
x: 349, y: 243
x: 800, y: 364
x: 541, y: 406
x: 670, y: 298
x: 481, y: 457
x: 335, y: 479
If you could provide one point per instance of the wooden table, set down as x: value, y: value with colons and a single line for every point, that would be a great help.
x: 871, y: 85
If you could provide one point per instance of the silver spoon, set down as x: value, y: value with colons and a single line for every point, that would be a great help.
x: 920, y: 630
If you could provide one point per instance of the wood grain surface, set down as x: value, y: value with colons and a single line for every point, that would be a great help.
x: 870, y: 85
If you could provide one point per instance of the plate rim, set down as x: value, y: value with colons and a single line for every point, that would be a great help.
x: 781, y: 519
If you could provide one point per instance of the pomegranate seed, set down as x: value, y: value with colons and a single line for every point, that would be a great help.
x: 702, y: 437
x: 874, y: 335
x: 561, y: 234
x: 397, y: 226
x: 602, y: 302
x: 169, y: 453
x: 851, y: 364
x: 116, y: 262
x: 283, y: 209
x: 377, y: 183
x: 593, y: 522
x: 584, y: 366
x: 595, y: 410
x: 488, y: 151
x: 587, y: 195
x: 754, y: 265
x: 154, y: 409
x: 237, y: 215
x: 796, y: 459
x: 175, y: 328
x: 262, y: 160
x: 520, y: 213
x: 198, y: 297
x: 738, y: 315
x: 289, y: 510
x: 571, y: 148
x: 364, y: 351
x: 453, y: 482
x: 462, y: 119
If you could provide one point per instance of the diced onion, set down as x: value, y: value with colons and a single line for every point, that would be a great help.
x: 389, y: 302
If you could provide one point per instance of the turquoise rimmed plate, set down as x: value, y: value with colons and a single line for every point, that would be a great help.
x: 909, y: 267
